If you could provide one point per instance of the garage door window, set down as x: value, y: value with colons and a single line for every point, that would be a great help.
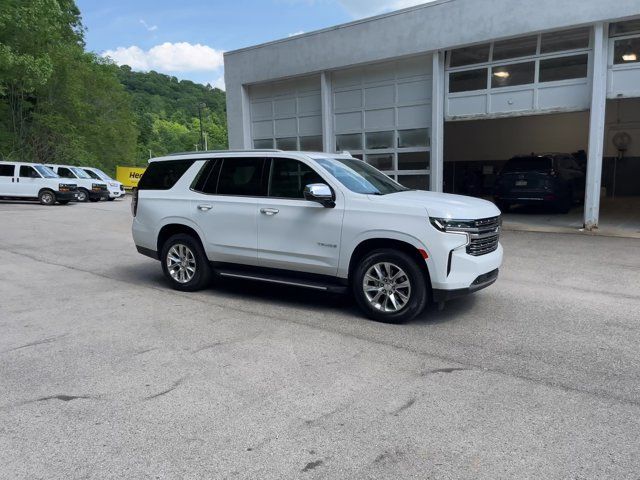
x: 417, y: 137
x: 511, y: 75
x: 290, y: 143
x: 264, y: 143
x: 470, y: 55
x: 564, y: 68
x: 468, y: 80
x: 345, y: 143
x: 575, y: 39
x: 516, y: 48
x: 383, y: 162
x: 379, y: 140
x: 626, y: 51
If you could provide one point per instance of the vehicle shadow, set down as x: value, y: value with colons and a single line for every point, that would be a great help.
x: 150, y: 275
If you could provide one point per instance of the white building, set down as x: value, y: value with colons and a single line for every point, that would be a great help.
x: 434, y: 93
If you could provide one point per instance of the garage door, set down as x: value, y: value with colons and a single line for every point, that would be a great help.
x: 287, y: 115
x: 382, y: 114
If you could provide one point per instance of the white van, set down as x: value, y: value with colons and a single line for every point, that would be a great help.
x: 35, y: 181
x: 116, y: 189
x: 88, y: 188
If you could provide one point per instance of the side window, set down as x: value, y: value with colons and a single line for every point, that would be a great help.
x: 207, y: 179
x: 93, y: 175
x: 7, y: 170
x: 65, y: 172
x: 163, y: 175
x: 241, y: 176
x: 289, y: 177
x: 28, y: 172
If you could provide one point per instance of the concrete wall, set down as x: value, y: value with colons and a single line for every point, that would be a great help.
x: 439, y: 25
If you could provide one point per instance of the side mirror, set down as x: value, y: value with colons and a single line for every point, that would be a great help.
x: 321, y: 193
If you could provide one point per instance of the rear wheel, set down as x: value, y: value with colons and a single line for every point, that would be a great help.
x: 184, y: 263
x: 46, y: 197
x: 389, y: 286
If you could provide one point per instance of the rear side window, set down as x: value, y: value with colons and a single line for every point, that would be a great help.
x: 7, y: 170
x: 289, y: 177
x: 528, y: 164
x: 242, y: 177
x: 163, y: 175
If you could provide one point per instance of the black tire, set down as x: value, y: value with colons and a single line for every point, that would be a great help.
x: 417, y: 299
x: 111, y: 199
x: 47, y: 197
x: 83, y: 195
x: 94, y: 200
x: 63, y: 202
x: 202, y: 277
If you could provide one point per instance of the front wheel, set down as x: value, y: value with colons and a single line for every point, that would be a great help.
x: 111, y: 199
x: 389, y: 286
x: 46, y: 197
x: 83, y: 195
x: 184, y: 263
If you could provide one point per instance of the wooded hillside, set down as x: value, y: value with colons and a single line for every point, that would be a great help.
x: 62, y: 104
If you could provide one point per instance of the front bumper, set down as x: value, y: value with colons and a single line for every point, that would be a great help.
x: 98, y: 195
x: 483, y: 281
x: 116, y: 193
x: 70, y: 196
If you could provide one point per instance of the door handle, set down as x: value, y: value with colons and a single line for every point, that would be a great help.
x: 204, y: 207
x: 269, y: 211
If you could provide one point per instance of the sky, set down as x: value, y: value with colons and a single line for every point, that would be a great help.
x: 187, y: 38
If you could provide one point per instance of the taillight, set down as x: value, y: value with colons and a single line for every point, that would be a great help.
x: 134, y: 201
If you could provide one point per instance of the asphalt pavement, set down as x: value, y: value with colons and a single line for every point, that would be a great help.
x: 106, y: 373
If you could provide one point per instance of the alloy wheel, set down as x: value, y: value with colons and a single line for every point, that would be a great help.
x: 387, y: 287
x: 181, y: 263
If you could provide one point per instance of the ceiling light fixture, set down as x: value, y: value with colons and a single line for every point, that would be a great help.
x: 630, y: 57
x: 502, y: 74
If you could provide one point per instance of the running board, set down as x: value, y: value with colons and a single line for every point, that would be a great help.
x: 282, y: 280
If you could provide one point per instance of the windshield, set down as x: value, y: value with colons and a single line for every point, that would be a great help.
x: 92, y: 174
x: 528, y: 164
x: 80, y: 173
x: 46, y: 172
x: 360, y: 177
x: 98, y: 174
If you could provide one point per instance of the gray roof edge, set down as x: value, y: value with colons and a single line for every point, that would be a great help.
x: 374, y: 18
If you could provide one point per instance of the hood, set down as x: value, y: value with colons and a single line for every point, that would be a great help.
x: 442, y: 205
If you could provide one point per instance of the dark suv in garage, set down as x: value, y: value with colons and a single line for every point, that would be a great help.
x: 553, y: 179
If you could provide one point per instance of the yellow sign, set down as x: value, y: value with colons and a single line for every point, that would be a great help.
x: 129, y: 176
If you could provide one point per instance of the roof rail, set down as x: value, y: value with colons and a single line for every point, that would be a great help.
x: 203, y: 152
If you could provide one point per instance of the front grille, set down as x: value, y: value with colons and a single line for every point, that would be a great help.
x: 484, y: 238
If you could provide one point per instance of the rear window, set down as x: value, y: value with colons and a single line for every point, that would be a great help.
x: 163, y: 175
x: 7, y: 170
x: 528, y: 164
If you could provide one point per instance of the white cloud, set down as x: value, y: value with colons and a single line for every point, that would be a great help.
x: 218, y: 83
x: 150, y: 28
x: 169, y: 57
x: 296, y: 33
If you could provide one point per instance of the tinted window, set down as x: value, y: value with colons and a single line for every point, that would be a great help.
x: 241, y: 176
x: 511, y: 75
x: 528, y: 164
x: 518, y: 47
x: 468, y: 81
x: 565, y: 40
x: 46, y: 172
x: 65, y: 173
x: 28, y: 172
x: 627, y: 51
x: 470, y: 55
x: 6, y: 170
x: 564, y: 68
x: 289, y: 177
x: 207, y: 179
x: 163, y: 175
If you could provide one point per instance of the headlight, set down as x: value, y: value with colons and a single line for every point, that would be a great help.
x: 453, y: 226
x: 113, y: 184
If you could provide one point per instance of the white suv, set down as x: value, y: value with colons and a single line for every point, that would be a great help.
x: 316, y: 220
x: 116, y: 189
x: 35, y: 181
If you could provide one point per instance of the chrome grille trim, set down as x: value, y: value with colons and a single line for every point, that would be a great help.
x: 485, y: 238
